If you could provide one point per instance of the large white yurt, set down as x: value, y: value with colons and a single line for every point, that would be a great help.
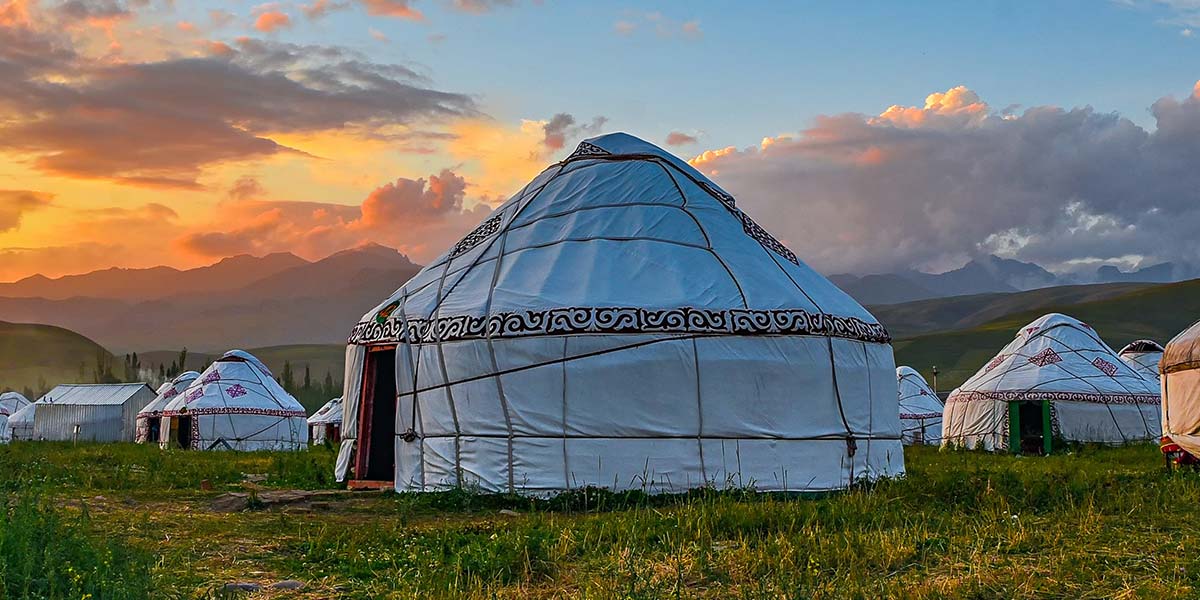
x: 326, y: 423
x: 10, y: 403
x: 149, y: 418
x: 619, y: 322
x: 1056, y: 379
x: 1180, y: 369
x: 1143, y: 356
x: 235, y: 404
x: 20, y: 423
x: 920, y: 408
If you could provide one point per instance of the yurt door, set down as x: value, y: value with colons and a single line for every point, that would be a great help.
x: 1029, y: 427
x: 377, y: 417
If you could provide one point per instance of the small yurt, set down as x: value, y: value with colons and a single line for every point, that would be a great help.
x: 620, y: 322
x: 235, y: 404
x: 1143, y: 356
x: 20, y: 423
x: 1056, y: 379
x: 920, y: 409
x: 326, y: 423
x: 149, y: 419
x: 96, y: 412
x: 10, y: 403
x: 1180, y: 369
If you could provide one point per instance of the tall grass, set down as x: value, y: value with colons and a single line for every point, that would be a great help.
x: 46, y: 555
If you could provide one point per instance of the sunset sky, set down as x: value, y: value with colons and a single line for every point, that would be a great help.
x: 145, y: 132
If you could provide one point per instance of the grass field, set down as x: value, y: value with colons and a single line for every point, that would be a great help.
x: 134, y: 522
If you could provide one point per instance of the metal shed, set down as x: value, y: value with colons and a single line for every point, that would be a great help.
x: 90, y: 412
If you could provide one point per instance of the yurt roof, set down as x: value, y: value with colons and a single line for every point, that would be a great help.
x: 1141, y: 346
x: 236, y: 382
x: 168, y: 391
x: 917, y: 399
x: 620, y: 237
x: 11, y: 402
x: 1183, y: 352
x: 331, y: 412
x: 1058, y: 357
x: 94, y: 394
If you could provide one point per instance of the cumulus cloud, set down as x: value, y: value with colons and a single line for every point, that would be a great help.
x: 418, y: 216
x: 933, y: 185
x: 271, y: 20
x: 15, y: 203
x: 679, y: 138
x: 160, y: 123
x: 392, y: 8
x: 563, y: 125
x: 245, y: 188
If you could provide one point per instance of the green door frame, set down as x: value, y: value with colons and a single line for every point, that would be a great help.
x: 1014, y: 427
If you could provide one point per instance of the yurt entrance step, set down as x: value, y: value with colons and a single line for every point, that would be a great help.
x: 376, y: 460
x: 1029, y: 427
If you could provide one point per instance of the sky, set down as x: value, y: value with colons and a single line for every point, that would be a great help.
x: 888, y: 136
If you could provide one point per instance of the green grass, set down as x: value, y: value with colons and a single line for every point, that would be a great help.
x: 1094, y: 523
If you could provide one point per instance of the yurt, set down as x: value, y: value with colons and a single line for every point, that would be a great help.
x: 1143, y: 356
x: 920, y: 409
x: 326, y: 423
x: 95, y: 412
x: 1056, y: 379
x: 619, y: 322
x: 10, y: 403
x: 1180, y: 369
x: 20, y: 423
x: 149, y: 419
x: 235, y: 404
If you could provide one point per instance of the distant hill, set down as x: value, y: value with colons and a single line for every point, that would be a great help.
x: 292, y: 302
x: 1157, y: 312
x: 52, y: 354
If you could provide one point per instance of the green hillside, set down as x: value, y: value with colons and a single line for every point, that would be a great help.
x: 37, y: 357
x: 1156, y: 312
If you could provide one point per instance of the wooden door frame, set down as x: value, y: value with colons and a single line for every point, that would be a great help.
x: 366, y: 410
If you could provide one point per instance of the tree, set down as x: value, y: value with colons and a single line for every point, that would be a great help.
x: 182, y: 361
x: 28, y: 393
x: 287, y: 379
x: 41, y: 387
x: 327, y: 388
x: 307, y: 378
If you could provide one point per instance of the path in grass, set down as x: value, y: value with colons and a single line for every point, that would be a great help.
x: 1099, y: 523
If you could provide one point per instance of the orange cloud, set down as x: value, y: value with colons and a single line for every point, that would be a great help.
x: 679, y: 138
x: 15, y: 203
x: 957, y: 101
x: 392, y: 8
x: 271, y: 20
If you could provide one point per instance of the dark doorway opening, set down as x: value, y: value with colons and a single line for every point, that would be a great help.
x: 377, y: 417
x: 183, y: 433
x: 154, y: 431
x: 1029, y: 427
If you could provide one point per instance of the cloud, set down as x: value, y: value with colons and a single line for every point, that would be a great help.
x: 54, y: 261
x: 625, y: 28
x: 15, y: 203
x: 480, y: 6
x: 271, y: 20
x: 930, y: 186
x: 421, y: 217
x: 377, y: 34
x: 562, y: 125
x: 321, y: 8
x: 679, y: 138
x: 246, y: 188
x: 220, y: 18
x: 161, y: 123
x: 663, y: 27
x: 392, y: 8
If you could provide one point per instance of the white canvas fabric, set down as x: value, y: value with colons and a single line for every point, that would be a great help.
x: 10, y: 403
x: 620, y: 322
x: 1094, y: 395
x: 1180, y: 384
x: 329, y: 414
x: 20, y: 423
x: 147, y: 419
x: 920, y: 408
x: 1143, y: 357
x: 236, y: 404
x: 352, y: 385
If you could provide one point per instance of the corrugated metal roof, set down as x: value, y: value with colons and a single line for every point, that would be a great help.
x: 93, y: 394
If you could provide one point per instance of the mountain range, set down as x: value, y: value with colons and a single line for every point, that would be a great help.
x: 991, y: 274
x: 243, y: 301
